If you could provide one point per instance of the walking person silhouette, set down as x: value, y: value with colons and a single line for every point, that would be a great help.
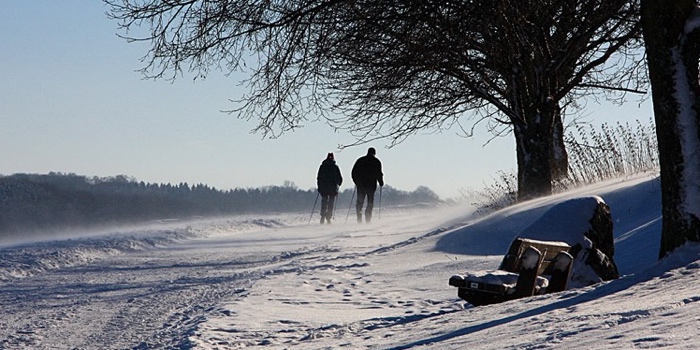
x: 366, y: 173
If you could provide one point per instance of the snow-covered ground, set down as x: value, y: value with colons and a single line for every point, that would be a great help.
x: 277, y: 282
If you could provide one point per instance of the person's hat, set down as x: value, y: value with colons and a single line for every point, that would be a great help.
x: 330, y: 156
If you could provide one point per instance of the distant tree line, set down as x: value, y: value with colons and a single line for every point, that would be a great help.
x: 32, y: 202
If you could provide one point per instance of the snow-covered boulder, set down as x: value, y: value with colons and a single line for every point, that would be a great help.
x: 586, y: 225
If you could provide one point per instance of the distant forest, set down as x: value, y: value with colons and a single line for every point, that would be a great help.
x: 33, y: 202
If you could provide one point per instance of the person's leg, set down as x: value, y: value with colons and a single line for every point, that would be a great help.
x: 330, y: 207
x: 370, y: 206
x: 360, y: 203
x: 324, y: 207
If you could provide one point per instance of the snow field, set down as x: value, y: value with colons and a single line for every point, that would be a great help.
x: 276, y: 282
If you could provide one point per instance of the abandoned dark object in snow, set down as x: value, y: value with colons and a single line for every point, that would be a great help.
x: 529, y: 268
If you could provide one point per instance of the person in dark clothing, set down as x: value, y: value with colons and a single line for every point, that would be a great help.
x: 366, y: 173
x: 328, y: 182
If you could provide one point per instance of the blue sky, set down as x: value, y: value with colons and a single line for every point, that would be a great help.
x: 72, y: 101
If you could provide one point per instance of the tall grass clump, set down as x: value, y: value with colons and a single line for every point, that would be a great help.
x: 595, y: 155
x: 500, y: 193
x: 608, y: 153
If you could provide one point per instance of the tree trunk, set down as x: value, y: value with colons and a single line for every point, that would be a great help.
x: 534, y: 142
x: 672, y: 57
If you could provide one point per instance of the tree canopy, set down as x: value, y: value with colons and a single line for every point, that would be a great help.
x: 388, y: 69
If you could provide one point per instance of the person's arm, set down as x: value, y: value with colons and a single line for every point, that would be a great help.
x: 318, y: 179
x: 355, y: 173
x: 339, y: 175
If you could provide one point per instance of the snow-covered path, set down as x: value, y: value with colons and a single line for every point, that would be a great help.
x: 119, y: 293
x: 136, y: 300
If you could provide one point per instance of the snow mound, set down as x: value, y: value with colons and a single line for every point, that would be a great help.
x: 31, y: 259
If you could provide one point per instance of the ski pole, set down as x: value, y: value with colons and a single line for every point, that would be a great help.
x: 314, y: 208
x: 335, y: 204
x: 379, y: 212
x: 350, y: 206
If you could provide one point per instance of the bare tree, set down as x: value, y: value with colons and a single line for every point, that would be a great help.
x: 388, y: 69
x: 672, y: 39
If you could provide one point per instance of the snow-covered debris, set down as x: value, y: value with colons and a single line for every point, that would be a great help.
x: 586, y: 225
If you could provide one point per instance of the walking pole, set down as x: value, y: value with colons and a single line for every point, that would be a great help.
x: 314, y: 208
x: 379, y: 213
x: 350, y: 206
x: 335, y: 204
